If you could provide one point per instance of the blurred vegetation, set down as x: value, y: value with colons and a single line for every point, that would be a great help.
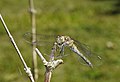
x: 94, y: 22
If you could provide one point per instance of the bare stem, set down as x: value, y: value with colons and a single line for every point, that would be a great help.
x: 48, y: 75
x: 40, y: 55
x: 32, y: 13
x: 26, y: 68
x: 50, y: 66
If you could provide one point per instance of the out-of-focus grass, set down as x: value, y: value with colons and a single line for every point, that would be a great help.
x: 88, y: 21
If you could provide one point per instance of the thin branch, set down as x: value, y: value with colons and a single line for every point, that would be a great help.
x: 26, y: 68
x: 50, y: 66
x: 40, y: 55
x: 32, y: 13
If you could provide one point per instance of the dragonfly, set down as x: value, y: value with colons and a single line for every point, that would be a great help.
x: 62, y: 41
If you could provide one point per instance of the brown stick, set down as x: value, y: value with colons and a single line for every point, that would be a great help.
x: 32, y: 13
x: 48, y: 75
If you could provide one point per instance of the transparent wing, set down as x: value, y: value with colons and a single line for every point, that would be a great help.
x: 95, y: 59
x: 41, y: 39
x: 44, y: 42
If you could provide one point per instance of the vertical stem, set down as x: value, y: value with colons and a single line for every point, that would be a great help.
x: 26, y: 68
x: 48, y: 75
x: 32, y: 13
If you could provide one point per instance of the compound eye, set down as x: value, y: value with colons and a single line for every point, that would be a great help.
x: 67, y: 39
x: 58, y: 36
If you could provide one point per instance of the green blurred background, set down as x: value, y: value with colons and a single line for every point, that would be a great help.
x: 94, y: 22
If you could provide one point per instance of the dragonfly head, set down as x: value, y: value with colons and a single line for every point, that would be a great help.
x: 60, y: 40
x: 66, y: 40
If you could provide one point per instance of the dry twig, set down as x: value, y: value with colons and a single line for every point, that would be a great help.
x: 50, y: 66
x: 26, y: 68
x: 33, y: 23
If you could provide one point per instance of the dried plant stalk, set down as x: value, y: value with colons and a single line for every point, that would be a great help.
x: 26, y: 68
x: 50, y: 66
x: 47, y: 75
x: 32, y: 13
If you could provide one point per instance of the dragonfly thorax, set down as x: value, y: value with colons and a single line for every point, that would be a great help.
x: 64, y: 41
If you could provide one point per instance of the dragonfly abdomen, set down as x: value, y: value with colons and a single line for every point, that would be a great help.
x: 74, y: 49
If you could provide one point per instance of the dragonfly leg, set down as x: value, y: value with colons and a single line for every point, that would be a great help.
x: 61, y: 52
x: 53, y: 52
